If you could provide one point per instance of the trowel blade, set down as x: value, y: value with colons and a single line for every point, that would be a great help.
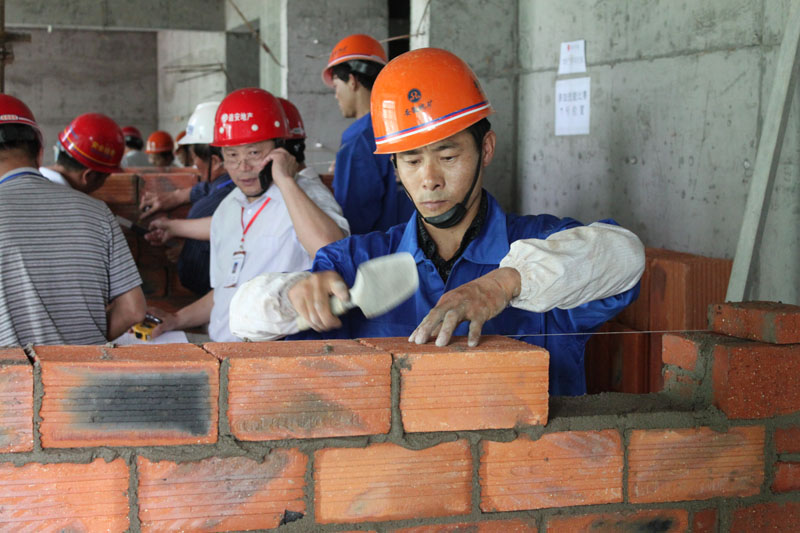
x: 383, y: 283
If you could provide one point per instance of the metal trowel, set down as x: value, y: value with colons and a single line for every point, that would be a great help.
x: 381, y: 285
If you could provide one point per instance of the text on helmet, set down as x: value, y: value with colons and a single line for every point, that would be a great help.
x: 236, y: 117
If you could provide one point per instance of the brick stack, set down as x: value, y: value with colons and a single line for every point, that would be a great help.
x: 676, y: 290
x: 317, y: 435
x: 122, y: 193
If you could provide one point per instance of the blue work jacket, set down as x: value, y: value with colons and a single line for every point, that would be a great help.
x: 364, y: 183
x: 481, y: 256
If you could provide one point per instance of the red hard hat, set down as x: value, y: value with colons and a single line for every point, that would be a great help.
x: 353, y: 47
x: 296, y: 128
x: 95, y: 141
x: 422, y: 97
x: 159, y: 141
x: 249, y: 116
x: 14, y: 111
x: 131, y: 131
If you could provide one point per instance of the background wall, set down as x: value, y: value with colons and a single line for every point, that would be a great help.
x: 678, y: 95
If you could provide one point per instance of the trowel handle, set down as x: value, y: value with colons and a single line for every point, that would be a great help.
x: 338, y: 308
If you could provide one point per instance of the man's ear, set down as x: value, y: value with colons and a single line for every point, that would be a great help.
x: 487, y: 151
x: 216, y: 162
x: 352, y: 82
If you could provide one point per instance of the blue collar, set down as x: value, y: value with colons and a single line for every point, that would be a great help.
x: 22, y: 171
x: 489, y: 247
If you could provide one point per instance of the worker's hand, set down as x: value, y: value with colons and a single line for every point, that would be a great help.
x: 311, y: 299
x: 169, y: 321
x: 160, y: 231
x: 153, y: 202
x: 475, y: 302
x: 284, y: 166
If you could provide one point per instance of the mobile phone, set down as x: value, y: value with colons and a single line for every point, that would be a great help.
x: 265, y: 176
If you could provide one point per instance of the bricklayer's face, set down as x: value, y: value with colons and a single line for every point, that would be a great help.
x: 438, y: 175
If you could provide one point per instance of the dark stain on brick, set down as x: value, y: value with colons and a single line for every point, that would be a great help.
x: 143, y: 402
x: 290, y: 516
x: 647, y: 525
x: 402, y: 362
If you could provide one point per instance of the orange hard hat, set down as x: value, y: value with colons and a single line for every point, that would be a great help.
x: 14, y: 111
x: 353, y: 47
x: 159, y: 141
x: 95, y: 141
x: 296, y: 128
x: 249, y: 116
x: 422, y: 97
x: 132, y: 131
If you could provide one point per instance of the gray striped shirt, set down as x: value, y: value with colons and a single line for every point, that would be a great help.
x: 63, y: 258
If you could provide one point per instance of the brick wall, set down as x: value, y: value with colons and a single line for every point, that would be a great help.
x: 381, y: 435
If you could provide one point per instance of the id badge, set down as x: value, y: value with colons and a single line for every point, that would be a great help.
x: 236, y: 269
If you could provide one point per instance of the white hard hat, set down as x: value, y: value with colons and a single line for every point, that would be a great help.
x: 200, y: 129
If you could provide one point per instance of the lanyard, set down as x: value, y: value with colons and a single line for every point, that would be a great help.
x: 245, y: 228
x: 18, y: 174
x: 223, y: 184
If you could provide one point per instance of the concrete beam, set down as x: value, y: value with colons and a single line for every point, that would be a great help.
x: 142, y: 15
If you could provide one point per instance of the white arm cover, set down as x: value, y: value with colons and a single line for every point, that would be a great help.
x: 260, y: 309
x: 575, y: 266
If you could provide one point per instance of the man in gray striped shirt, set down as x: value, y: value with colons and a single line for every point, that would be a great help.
x: 66, y: 273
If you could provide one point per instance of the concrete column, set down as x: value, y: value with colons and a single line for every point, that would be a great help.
x: 484, y: 34
x: 313, y: 29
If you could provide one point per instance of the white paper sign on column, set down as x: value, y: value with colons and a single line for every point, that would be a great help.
x: 573, y: 107
x: 573, y: 57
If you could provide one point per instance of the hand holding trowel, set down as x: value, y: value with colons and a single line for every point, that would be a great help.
x: 381, y: 284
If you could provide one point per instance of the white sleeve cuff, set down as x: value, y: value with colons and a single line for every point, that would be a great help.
x: 575, y: 266
x: 260, y: 310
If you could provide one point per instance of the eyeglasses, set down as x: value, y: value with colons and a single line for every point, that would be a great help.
x: 236, y: 160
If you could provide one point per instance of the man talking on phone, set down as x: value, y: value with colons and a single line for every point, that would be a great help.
x: 274, y: 221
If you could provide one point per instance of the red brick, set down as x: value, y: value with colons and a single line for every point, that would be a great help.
x: 388, y: 482
x: 221, y: 494
x: 767, y: 517
x: 119, y: 189
x: 306, y: 389
x: 558, y: 470
x: 520, y: 525
x: 753, y: 380
x: 143, y: 395
x: 16, y: 401
x: 637, y: 315
x: 500, y: 383
x: 771, y: 322
x: 704, y: 521
x: 163, y: 170
x: 616, y: 360
x: 668, y: 465
x: 682, y: 286
x: 787, y: 477
x: 168, y: 181
x: 679, y: 350
x: 679, y: 385
x: 787, y: 440
x: 64, y: 496
x: 662, y: 520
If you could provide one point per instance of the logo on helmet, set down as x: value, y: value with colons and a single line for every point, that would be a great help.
x: 236, y: 117
x: 414, y: 95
